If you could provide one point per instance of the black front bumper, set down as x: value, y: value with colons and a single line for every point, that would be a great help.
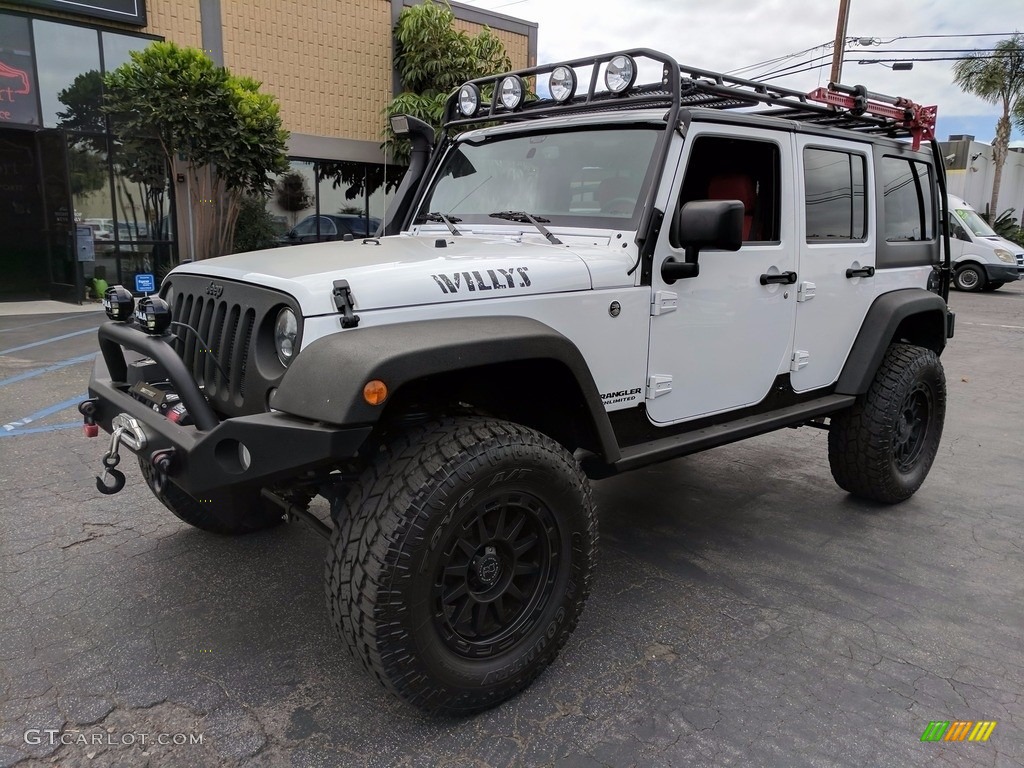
x: 1002, y: 273
x: 208, y: 457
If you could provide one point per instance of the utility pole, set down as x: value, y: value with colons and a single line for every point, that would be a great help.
x: 840, y: 44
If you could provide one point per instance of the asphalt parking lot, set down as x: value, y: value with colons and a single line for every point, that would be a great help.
x: 745, y: 610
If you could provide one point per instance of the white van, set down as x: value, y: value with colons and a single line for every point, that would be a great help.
x: 982, y: 260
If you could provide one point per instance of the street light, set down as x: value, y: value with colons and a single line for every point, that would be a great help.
x: 899, y: 66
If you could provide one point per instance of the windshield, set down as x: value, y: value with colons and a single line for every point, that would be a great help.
x: 975, y: 223
x: 584, y: 177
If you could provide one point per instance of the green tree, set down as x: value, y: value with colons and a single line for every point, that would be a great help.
x: 998, y: 79
x: 433, y: 59
x: 228, y: 133
x: 291, y: 194
x: 254, y: 228
x: 86, y: 152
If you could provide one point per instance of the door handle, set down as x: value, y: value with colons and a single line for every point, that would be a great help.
x: 862, y: 272
x: 784, y: 278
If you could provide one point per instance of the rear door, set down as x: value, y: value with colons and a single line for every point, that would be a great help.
x: 837, y: 256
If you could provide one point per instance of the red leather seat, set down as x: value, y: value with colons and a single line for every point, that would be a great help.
x: 736, y: 186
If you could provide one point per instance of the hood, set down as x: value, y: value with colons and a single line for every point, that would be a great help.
x: 406, y: 270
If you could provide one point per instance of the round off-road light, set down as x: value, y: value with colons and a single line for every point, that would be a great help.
x: 511, y: 92
x: 153, y: 315
x: 620, y: 74
x: 469, y: 100
x: 118, y: 303
x: 562, y: 84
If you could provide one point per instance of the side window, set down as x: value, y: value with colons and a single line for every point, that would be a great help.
x: 327, y: 227
x: 834, y: 198
x: 306, y: 227
x: 722, y: 168
x: 907, y: 200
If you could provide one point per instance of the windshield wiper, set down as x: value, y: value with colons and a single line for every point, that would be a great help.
x: 448, y: 221
x: 524, y: 218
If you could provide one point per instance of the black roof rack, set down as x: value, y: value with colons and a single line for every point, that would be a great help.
x: 852, y: 108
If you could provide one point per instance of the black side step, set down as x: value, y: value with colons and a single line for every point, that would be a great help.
x: 672, y: 447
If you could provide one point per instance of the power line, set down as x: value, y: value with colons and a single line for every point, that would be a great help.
x: 777, y: 59
x: 936, y: 58
x: 930, y: 37
x: 782, y: 70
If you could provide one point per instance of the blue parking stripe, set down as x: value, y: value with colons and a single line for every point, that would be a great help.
x: 48, y: 411
x: 46, y: 341
x: 46, y: 322
x: 40, y: 371
x: 36, y: 430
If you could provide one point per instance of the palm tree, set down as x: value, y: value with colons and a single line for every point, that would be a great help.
x: 998, y: 79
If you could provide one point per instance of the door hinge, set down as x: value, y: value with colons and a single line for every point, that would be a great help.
x: 658, y: 385
x: 800, y: 360
x: 664, y: 302
x: 345, y: 303
x: 805, y: 292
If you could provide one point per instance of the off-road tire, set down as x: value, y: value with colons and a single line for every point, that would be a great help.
x: 229, y: 514
x: 969, y: 277
x: 883, y: 447
x: 436, y: 530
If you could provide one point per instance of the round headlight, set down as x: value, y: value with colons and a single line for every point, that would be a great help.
x: 469, y: 100
x: 286, y: 331
x: 511, y: 92
x: 562, y: 83
x: 620, y: 74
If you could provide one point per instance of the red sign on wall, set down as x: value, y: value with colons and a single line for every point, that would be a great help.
x: 18, y: 102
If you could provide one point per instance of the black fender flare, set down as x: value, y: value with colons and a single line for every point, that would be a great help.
x: 884, y: 317
x: 325, y: 381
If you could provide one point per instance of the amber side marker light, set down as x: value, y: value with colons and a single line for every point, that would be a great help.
x: 375, y: 392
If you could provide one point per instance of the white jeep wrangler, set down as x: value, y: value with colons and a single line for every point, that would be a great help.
x: 604, y: 275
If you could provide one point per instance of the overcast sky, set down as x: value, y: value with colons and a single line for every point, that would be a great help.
x: 728, y: 34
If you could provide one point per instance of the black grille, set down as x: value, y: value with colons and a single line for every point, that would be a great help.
x: 227, y: 316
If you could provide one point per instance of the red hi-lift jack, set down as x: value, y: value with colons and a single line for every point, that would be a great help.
x: 919, y: 121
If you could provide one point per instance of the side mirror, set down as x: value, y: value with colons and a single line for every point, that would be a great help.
x: 703, y: 224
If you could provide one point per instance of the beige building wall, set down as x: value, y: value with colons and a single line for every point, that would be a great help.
x: 516, y: 46
x: 176, y: 21
x: 328, y: 62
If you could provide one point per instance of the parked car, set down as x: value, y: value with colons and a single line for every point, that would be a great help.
x: 333, y: 226
x: 982, y: 260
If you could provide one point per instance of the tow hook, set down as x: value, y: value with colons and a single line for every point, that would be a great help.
x: 88, y: 410
x: 162, y: 462
x: 110, y: 460
x: 126, y: 429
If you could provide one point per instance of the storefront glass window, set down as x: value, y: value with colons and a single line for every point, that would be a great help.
x: 68, y: 60
x: 384, y: 181
x: 291, y: 201
x: 117, y: 49
x: 142, y: 206
x: 17, y: 82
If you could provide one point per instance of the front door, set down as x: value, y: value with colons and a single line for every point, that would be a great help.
x: 58, y: 230
x: 720, y: 339
x: 23, y: 251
